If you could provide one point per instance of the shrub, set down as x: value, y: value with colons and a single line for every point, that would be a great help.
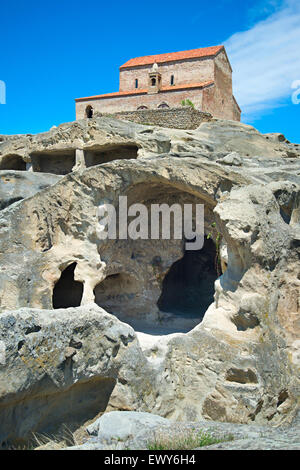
x: 187, y: 102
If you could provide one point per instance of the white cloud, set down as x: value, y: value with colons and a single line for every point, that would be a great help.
x: 266, y: 60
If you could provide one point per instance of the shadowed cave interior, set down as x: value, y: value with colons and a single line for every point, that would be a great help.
x: 58, y: 163
x: 187, y: 292
x: 12, y: 162
x: 104, y: 155
x: 188, y: 287
x: 67, y: 292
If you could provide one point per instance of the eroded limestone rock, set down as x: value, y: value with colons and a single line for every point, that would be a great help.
x: 124, y: 425
x: 18, y: 185
x: 237, y: 361
x: 60, y: 367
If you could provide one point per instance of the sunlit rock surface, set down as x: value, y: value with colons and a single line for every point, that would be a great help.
x: 210, y: 334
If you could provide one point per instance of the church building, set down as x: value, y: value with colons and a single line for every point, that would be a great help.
x: 203, y: 76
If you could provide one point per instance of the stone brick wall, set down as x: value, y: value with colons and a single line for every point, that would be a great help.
x: 184, y: 71
x: 131, y: 103
x: 218, y: 100
x: 176, y: 118
x: 236, y: 110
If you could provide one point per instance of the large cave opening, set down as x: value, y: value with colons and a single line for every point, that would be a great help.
x: 188, y: 287
x: 96, y: 156
x: 67, y: 292
x: 157, y: 300
x: 156, y: 285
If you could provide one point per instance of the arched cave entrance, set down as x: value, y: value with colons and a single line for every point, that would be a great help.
x: 188, y: 287
x: 154, y: 284
x: 67, y: 292
x: 13, y: 162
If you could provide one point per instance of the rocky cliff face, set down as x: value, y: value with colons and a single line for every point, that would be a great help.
x: 179, y: 336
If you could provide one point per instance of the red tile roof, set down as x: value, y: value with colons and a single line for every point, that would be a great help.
x: 144, y: 91
x: 173, y: 56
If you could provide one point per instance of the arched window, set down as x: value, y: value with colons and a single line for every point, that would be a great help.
x: 163, y: 105
x: 153, y: 81
x: 136, y: 83
x: 142, y: 107
x: 172, y: 80
x: 89, y: 111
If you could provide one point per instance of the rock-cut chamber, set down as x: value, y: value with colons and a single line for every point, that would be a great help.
x: 179, y: 303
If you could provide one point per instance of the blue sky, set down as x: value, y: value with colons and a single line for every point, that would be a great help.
x: 53, y: 52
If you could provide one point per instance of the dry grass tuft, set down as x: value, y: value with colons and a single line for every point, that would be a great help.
x: 185, y: 440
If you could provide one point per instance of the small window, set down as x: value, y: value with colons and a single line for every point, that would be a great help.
x: 142, y: 107
x: 172, y: 80
x: 153, y: 82
x: 136, y: 83
x: 163, y: 105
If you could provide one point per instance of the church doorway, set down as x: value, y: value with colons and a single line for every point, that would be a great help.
x: 89, y: 112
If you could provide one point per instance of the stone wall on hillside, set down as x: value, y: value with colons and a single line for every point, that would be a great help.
x: 176, y: 118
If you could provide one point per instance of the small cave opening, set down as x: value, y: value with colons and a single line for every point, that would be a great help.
x: 283, y: 396
x: 104, y: 155
x: 286, y: 204
x: 245, y: 320
x: 13, y: 162
x: 67, y: 292
x: 241, y: 376
x: 286, y: 214
x: 188, y: 287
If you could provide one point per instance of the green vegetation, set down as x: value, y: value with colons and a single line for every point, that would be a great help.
x: 185, y: 441
x: 187, y: 102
